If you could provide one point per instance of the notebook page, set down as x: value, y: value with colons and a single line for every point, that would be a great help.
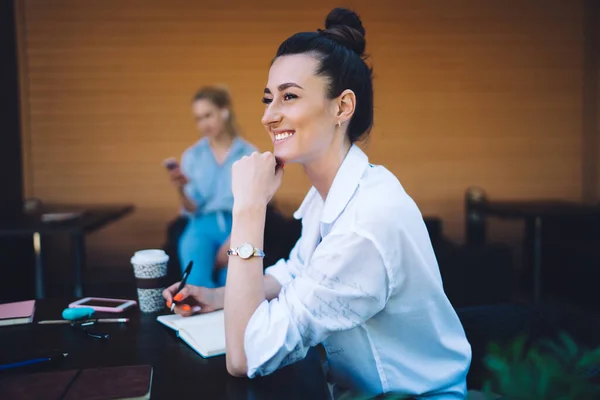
x: 206, y: 333
x: 170, y: 320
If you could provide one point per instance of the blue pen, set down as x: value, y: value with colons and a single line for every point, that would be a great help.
x: 33, y: 361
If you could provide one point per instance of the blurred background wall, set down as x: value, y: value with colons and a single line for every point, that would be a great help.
x: 467, y: 93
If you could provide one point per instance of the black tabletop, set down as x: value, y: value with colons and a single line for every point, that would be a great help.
x: 86, y: 219
x: 179, y: 372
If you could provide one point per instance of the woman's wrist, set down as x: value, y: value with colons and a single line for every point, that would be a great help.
x: 248, y: 225
x: 218, y: 297
x: 249, y: 210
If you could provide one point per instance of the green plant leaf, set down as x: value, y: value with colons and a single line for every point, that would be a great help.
x: 494, y: 348
x: 546, y: 370
x: 518, y: 346
x: 572, y: 350
x: 487, y: 388
x: 496, y: 363
x: 556, y: 349
x: 589, y: 360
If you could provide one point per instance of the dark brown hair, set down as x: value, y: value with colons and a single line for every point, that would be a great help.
x: 340, y: 49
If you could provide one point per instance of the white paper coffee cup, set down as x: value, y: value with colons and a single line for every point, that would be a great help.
x: 150, y: 270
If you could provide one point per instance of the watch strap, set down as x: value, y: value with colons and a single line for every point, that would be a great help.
x: 257, y: 252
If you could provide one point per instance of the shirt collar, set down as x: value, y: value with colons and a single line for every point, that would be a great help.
x: 344, y: 185
x: 237, y: 145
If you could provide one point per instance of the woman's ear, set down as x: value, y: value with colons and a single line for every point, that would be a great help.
x: 346, y: 106
x: 225, y: 114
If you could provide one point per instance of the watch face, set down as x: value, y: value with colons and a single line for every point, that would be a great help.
x: 245, y: 250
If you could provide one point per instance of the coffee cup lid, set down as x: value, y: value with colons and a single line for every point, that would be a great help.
x: 151, y: 256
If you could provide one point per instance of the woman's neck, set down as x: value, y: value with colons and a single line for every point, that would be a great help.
x: 221, y: 141
x: 322, y: 171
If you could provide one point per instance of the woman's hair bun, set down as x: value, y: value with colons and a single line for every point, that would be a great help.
x: 345, y: 27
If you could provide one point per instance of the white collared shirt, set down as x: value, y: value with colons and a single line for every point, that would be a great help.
x: 363, y: 280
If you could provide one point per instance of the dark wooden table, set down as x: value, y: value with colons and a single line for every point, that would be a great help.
x: 92, y: 218
x: 179, y: 372
x: 534, y: 212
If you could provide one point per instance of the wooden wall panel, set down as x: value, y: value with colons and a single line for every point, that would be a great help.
x: 591, y: 105
x: 594, y: 23
x: 467, y: 93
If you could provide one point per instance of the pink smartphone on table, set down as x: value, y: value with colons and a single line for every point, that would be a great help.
x: 103, y: 304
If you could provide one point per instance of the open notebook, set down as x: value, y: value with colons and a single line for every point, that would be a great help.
x: 205, y: 333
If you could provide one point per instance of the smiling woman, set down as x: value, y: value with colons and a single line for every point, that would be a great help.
x: 306, y: 86
x: 362, y: 279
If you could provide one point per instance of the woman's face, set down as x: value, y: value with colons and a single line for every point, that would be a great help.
x: 299, y: 117
x: 209, y: 118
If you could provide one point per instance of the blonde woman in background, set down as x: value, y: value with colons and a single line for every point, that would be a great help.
x: 203, y: 184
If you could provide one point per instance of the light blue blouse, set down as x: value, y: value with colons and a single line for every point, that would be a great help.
x: 209, y: 185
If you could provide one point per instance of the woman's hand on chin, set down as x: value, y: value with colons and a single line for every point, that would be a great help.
x: 255, y: 179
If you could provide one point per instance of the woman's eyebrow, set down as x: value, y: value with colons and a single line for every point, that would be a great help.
x: 284, y: 86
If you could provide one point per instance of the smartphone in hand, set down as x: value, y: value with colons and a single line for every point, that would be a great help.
x: 171, y: 163
x: 175, y: 174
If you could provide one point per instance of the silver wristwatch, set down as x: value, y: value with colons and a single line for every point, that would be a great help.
x: 245, y: 251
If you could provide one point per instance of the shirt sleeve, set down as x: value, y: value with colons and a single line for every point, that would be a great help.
x: 344, y: 285
x: 283, y: 270
x: 190, y: 189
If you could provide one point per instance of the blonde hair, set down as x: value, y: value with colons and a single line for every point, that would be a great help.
x: 220, y: 97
